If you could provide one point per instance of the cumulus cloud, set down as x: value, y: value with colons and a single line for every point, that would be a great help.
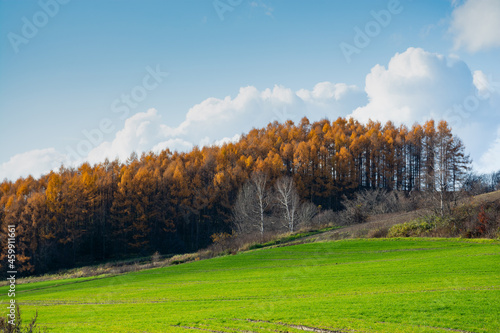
x: 142, y: 132
x: 415, y: 86
x: 475, y: 25
x: 34, y: 163
x: 418, y: 85
x: 214, y: 121
x: 487, y: 87
x: 326, y: 93
x: 217, y: 121
x: 172, y: 144
x: 490, y: 160
x: 214, y: 118
x: 206, y: 141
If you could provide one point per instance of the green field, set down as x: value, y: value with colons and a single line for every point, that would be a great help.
x: 410, y: 285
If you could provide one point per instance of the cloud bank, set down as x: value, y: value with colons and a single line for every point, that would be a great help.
x: 418, y: 85
x: 476, y: 25
x: 34, y: 162
x: 490, y: 160
x: 414, y: 86
x: 217, y: 121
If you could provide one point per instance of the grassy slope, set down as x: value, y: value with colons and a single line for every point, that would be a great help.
x: 388, y: 220
x: 410, y: 285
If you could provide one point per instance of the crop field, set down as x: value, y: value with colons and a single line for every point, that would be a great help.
x: 370, y: 285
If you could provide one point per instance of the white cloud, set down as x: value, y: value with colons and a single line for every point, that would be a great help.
x: 172, y: 144
x: 415, y: 86
x: 34, y: 163
x: 485, y: 84
x: 490, y: 160
x: 223, y: 141
x: 214, y: 118
x: 418, y: 85
x: 141, y: 133
x: 218, y: 121
x: 326, y: 92
x: 213, y: 121
x: 476, y: 25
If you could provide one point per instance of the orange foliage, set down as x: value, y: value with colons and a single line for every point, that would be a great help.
x: 173, y: 202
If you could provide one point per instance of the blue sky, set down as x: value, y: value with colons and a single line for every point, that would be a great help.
x: 265, y: 60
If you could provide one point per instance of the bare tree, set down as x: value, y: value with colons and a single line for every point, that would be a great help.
x: 475, y: 184
x: 307, y: 212
x: 252, y: 203
x: 355, y: 211
x: 451, y: 165
x: 259, y: 181
x: 373, y: 202
x: 287, y: 201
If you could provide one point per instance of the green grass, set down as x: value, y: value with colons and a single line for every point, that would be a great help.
x: 290, y: 238
x: 369, y: 285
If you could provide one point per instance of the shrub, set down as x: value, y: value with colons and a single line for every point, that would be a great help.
x: 354, y: 213
x: 373, y: 202
x: 427, y: 226
x: 223, y: 241
x: 378, y: 233
x: 477, y: 221
x: 183, y: 258
x: 18, y: 327
x: 418, y: 227
x: 325, y: 218
x: 155, y: 258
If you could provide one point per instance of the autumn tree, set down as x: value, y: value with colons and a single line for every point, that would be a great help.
x: 450, y: 165
x: 429, y: 151
x: 172, y: 202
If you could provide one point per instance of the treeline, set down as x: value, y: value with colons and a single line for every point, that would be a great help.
x: 173, y: 202
x: 482, y: 183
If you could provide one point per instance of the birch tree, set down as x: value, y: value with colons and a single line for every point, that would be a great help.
x: 287, y: 202
x: 451, y: 164
x: 252, y: 203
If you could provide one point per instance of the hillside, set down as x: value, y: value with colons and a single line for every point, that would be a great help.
x: 388, y: 220
x: 172, y: 202
x: 486, y: 197
x: 368, y: 229
x: 399, y: 285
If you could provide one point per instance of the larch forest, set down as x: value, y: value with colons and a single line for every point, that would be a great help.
x: 173, y: 202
